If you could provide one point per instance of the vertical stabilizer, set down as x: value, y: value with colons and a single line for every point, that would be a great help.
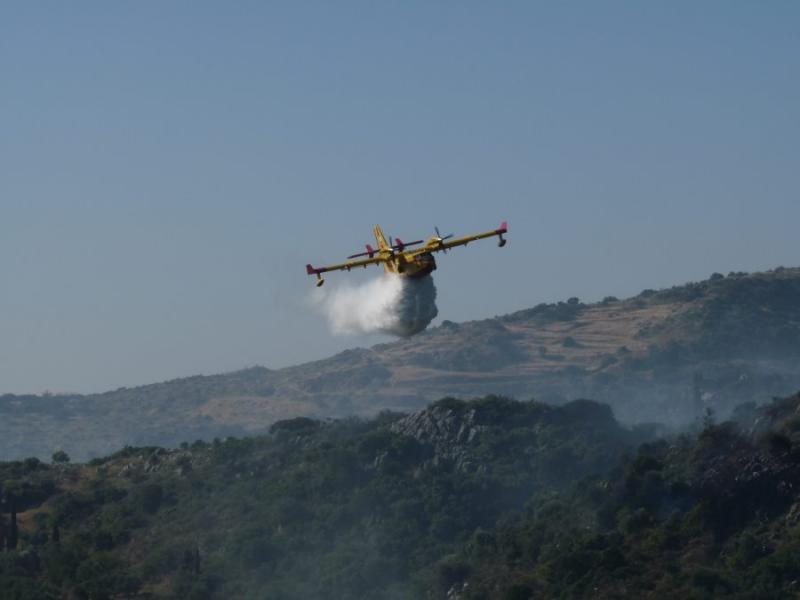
x: 382, y: 243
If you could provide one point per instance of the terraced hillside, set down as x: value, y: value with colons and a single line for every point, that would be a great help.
x: 667, y: 355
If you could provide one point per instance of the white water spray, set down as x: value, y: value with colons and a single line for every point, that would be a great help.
x: 390, y: 304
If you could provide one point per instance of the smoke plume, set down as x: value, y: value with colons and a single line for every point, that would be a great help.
x: 390, y: 304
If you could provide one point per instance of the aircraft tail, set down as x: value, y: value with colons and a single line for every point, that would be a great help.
x: 382, y: 243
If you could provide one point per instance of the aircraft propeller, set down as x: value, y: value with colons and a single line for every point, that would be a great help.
x: 401, y: 245
x: 440, y: 237
x: 370, y: 252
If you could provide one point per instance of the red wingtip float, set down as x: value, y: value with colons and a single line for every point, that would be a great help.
x: 407, y: 263
x: 312, y: 271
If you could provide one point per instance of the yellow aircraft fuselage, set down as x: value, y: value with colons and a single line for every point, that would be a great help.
x: 405, y: 265
x: 416, y: 266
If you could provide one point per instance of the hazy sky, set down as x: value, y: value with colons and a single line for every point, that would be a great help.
x: 168, y: 168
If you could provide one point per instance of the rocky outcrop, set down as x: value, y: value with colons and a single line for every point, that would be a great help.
x: 449, y: 431
x: 469, y: 436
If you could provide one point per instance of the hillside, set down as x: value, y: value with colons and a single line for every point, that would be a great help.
x: 346, y: 509
x: 664, y: 355
x: 488, y: 499
x: 706, y: 517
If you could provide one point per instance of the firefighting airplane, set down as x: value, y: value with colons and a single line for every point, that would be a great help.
x: 406, y: 263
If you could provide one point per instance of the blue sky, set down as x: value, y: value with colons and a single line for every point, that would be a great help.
x: 167, y: 169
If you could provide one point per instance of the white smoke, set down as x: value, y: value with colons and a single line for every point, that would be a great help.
x: 390, y: 304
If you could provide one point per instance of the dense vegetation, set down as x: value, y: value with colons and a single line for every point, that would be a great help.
x: 345, y: 509
x: 716, y: 515
x: 473, y: 500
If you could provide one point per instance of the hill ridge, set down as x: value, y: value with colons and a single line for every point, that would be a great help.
x: 663, y: 355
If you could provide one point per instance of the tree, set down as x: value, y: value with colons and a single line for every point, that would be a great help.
x: 60, y: 457
x: 151, y: 496
x: 13, y: 533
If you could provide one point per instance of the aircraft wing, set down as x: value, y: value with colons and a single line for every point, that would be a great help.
x: 346, y: 266
x: 436, y: 246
